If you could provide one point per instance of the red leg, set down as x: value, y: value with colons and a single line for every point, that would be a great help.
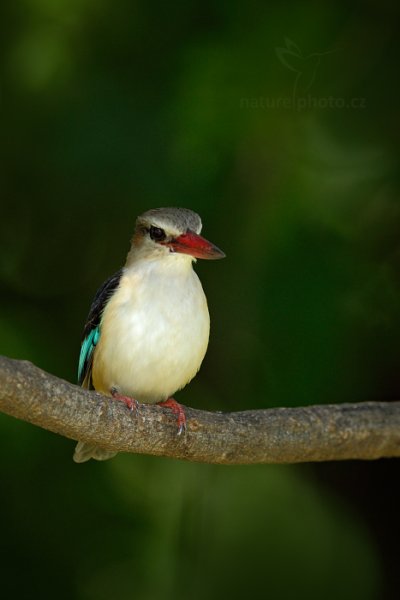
x: 177, y: 409
x: 131, y: 403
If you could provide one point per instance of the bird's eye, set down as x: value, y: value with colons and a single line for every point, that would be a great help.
x: 157, y: 234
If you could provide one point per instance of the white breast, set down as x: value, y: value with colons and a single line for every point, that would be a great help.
x: 154, y: 331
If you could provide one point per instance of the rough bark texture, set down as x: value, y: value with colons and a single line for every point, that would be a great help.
x: 279, y: 435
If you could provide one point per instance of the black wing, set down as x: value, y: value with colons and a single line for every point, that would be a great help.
x: 91, y: 332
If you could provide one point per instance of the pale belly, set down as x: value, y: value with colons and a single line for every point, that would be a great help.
x: 152, y: 341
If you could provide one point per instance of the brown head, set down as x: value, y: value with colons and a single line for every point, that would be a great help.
x: 164, y: 231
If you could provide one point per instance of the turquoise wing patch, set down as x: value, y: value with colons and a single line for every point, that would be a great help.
x: 86, y: 355
x: 91, y: 333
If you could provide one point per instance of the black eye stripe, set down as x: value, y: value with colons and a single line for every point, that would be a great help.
x: 157, y: 234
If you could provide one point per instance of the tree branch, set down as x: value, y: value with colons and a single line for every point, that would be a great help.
x: 367, y: 430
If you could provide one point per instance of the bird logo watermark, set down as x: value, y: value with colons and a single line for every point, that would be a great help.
x: 305, y: 68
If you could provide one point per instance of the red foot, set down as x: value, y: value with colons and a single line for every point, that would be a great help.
x: 131, y: 403
x: 177, y: 409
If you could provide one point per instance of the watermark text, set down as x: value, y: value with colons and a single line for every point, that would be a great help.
x: 301, y: 103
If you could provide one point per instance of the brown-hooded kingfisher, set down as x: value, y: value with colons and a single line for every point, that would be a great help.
x: 148, y: 327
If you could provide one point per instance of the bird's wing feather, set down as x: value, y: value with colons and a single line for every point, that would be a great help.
x: 91, y: 333
x: 84, y: 452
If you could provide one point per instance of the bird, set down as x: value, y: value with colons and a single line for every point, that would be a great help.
x: 148, y: 327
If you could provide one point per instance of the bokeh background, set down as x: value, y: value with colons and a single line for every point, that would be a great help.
x: 278, y: 123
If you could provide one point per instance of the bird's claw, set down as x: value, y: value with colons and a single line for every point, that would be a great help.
x: 181, y: 428
x: 131, y: 403
x: 178, y: 410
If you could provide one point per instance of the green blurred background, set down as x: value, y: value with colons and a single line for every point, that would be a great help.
x: 278, y: 123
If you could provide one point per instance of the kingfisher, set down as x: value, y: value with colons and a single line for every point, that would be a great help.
x: 148, y: 327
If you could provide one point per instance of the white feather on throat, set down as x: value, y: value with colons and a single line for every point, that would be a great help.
x: 154, y: 329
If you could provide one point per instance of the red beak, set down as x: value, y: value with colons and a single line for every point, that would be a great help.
x: 195, y: 245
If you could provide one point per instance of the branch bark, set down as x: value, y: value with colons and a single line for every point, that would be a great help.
x: 366, y: 431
